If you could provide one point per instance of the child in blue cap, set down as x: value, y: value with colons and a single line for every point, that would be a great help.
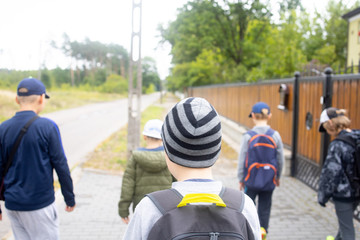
x: 258, y: 178
x: 29, y: 183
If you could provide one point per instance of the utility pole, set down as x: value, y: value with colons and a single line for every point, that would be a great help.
x: 134, y: 107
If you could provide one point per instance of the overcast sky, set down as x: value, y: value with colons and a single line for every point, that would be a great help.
x: 27, y: 27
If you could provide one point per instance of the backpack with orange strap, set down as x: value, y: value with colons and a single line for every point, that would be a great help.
x: 261, y: 163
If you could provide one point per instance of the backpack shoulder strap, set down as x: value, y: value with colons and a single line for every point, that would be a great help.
x: 17, y: 143
x: 165, y: 200
x: 270, y: 132
x: 347, y: 139
x: 233, y: 198
x: 251, y: 133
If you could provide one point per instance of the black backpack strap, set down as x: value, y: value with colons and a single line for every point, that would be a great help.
x: 352, y: 142
x: 165, y: 200
x: 347, y: 139
x: 17, y: 143
x: 233, y: 198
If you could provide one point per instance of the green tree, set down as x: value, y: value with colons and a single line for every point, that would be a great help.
x: 336, y: 29
x: 313, y: 34
x: 46, y: 78
x: 326, y: 55
x: 61, y: 76
x: 92, y: 58
x: 207, y: 28
x: 150, y: 74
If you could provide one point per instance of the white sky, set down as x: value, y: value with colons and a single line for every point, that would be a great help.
x: 27, y: 27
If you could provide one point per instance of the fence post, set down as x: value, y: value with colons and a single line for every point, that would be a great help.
x: 294, y: 141
x: 326, y: 102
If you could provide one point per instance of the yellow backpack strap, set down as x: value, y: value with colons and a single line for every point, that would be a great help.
x: 201, y: 198
x: 166, y: 200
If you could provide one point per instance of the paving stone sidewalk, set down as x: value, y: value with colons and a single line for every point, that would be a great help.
x: 95, y: 215
x: 295, y: 212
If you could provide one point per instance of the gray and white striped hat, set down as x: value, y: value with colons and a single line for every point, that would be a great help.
x: 192, y: 133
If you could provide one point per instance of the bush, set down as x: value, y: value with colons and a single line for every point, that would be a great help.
x: 114, y: 84
x: 150, y: 89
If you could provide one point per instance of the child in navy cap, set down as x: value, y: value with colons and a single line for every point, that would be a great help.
x: 31, y: 86
x: 251, y: 179
x: 29, y: 183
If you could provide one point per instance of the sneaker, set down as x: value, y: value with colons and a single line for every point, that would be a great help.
x: 263, y: 233
x: 330, y: 237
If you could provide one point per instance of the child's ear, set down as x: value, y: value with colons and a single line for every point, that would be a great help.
x: 17, y: 100
x: 330, y: 123
x: 41, y: 99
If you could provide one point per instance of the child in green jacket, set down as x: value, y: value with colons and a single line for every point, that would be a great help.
x: 146, y: 170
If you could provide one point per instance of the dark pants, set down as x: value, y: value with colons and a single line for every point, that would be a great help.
x: 344, y: 213
x: 264, y: 205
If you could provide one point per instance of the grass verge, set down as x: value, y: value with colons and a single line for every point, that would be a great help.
x: 110, y: 155
x: 59, y: 100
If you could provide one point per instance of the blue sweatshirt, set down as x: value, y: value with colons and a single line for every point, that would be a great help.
x: 29, y: 181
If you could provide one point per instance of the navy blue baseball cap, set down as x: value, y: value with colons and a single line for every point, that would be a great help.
x: 31, y: 86
x: 258, y: 108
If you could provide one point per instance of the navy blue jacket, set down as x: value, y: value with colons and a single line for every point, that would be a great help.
x: 29, y: 183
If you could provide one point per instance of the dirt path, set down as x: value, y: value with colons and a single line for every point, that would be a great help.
x: 7, y: 93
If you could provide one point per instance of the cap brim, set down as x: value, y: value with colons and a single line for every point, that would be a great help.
x: 250, y: 115
x: 47, y: 96
x: 157, y: 136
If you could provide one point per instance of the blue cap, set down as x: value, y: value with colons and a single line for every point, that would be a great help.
x: 31, y: 86
x: 258, y: 108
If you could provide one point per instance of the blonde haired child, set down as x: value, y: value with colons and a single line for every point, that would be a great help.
x: 338, y: 167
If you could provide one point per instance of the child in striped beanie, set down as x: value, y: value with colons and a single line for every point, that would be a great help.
x: 191, y: 136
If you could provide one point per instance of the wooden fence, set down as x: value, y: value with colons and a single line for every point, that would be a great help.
x: 313, y: 94
x: 234, y: 101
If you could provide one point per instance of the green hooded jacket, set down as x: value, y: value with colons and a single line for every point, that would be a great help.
x: 146, y: 172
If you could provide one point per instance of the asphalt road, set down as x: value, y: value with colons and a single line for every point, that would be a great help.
x: 83, y: 128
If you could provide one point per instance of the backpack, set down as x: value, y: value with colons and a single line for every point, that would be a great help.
x: 261, y: 163
x: 223, y: 219
x: 354, y: 178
